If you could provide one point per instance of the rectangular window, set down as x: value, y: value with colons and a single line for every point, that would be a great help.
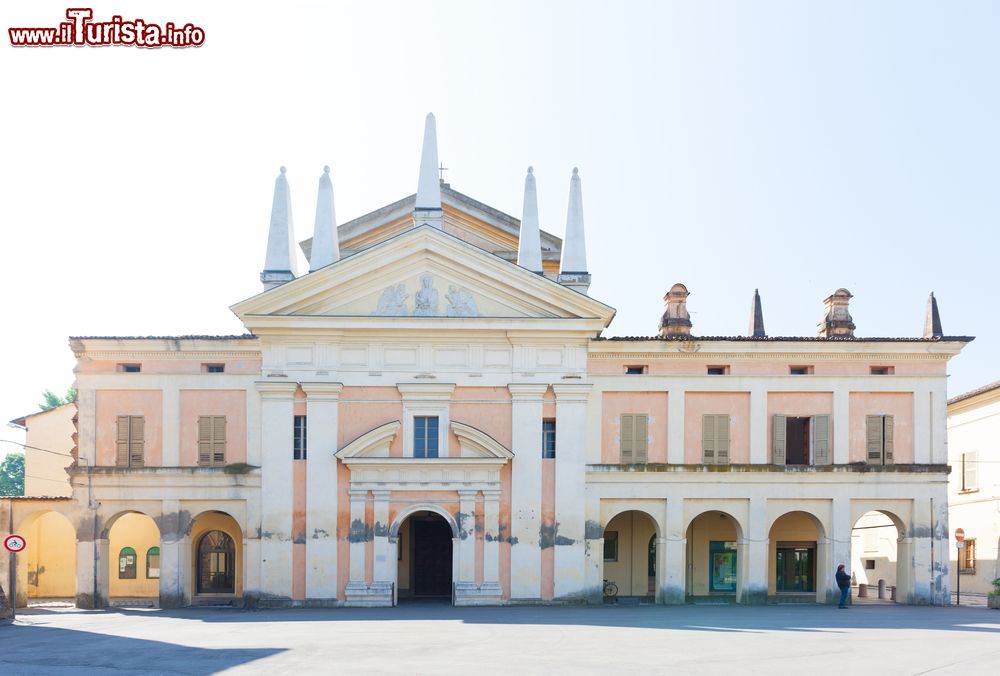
x: 722, y: 563
x: 610, y: 545
x: 800, y: 440
x: 129, y: 368
x: 130, y: 441
x: 869, y: 564
x: 968, y: 554
x: 882, y: 370
x: 549, y: 438
x: 212, y: 440
x: 800, y: 370
x: 715, y: 439
x: 425, y: 436
x: 634, y: 438
x: 970, y: 472
x: 299, y: 438
x: 213, y: 368
x: 718, y: 370
x: 879, y: 439
x: 635, y: 370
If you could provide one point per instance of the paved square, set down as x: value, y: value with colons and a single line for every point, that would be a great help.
x: 435, y: 639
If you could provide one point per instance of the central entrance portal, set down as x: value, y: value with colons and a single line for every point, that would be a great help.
x: 425, y: 561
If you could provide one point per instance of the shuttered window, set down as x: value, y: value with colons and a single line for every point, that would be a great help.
x: 634, y: 438
x: 715, y: 439
x: 812, y: 441
x: 212, y: 440
x: 879, y: 439
x: 779, y: 434
x: 821, y: 440
x: 299, y: 437
x: 970, y: 471
x: 130, y: 441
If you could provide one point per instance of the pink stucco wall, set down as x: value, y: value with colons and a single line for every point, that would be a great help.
x: 113, y: 403
x: 230, y: 403
x: 734, y: 404
x: 171, y: 366
x: 762, y: 367
x: 614, y: 404
x: 485, y: 408
x: 897, y: 404
x: 362, y: 409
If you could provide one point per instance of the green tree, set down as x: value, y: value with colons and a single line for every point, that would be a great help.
x: 52, y: 400
x: 12, y: 474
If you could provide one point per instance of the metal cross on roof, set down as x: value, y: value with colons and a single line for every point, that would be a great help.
x: 442, y: 169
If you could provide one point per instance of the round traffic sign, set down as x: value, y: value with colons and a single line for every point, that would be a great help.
x: 959, y: 535
x: 14, y: 543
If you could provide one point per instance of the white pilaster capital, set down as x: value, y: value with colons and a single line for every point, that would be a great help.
x: 358, y: 494
x: 381, y: 494
x: 426, y: 391
x: 322, y: 391
x: 527, y: 392
x: 576, y: 392
x: 276, y: 389
x: 465, y: 495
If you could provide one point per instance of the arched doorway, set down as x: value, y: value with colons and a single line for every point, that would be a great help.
x: 876, y: 543
x: 630, y: 555
x: 134, y: 559
x: 713, y: 566
x: 795, y: 572
x: 425, y: 557
x: 216, y: 541
x: 216, y: 563
x: 46, y: 571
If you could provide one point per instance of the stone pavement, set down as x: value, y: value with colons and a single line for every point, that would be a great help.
x: 439, y: 639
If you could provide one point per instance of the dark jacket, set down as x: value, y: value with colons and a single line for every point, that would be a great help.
x: 843, y: 579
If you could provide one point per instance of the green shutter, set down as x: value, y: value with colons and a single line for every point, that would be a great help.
x: 626, y: 438
x: 708, y: 439
x: 722, y: 439
x: 121, y: 442
x: 873, y: 439
x: 641, y: 437
x: 821, y: 440
x: 888, y: 439
x: 778, y: 436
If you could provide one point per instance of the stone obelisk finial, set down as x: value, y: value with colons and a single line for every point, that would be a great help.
x: 932, y: 323
x: 757, y: 317
x: 325, y: 243
x: 529, y: 242
x: 428, y: 206
x: 573, y: 266
x: 279, y: 264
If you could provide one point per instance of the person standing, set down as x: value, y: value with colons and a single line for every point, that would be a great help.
x: 844, y: 582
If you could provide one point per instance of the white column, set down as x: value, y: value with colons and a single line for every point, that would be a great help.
x: 384, y: 570
x: 171, y: 427
x: 758, y: 426
x: 671, y: 555
x: 675, y: 427
x: 835, y: 552
x: 571, y: 481
x: 753, y: 554
x: 841, y: 425
x: 172, y: 577
x: 467, y: 537
x: 594, y: 554
x: 322, y: 408
x: 491, y: 542
x: 941, y: 549
x: 357, y: 536
x: 86, y: 570
x: 526, y: 490
x: 276, y: 492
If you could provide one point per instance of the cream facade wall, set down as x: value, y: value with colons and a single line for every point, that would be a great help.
x: 974, y: 428
x: 45, y: 470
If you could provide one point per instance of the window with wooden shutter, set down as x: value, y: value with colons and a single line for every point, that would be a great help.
x: 970, y: 472
x: 888, y: 439
x: 821, y: 440
x: 627, y: 438
x: 715, y: 439
x: 779, y: 434
x: 879, y: 435
x: 130, y: 441
x: 641, y: 436
x: 212, y: 440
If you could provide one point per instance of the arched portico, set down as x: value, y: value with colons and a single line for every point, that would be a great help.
x: 716, y: 555
x: 631, y: 544
x: 46, y: 570
x: 799, y: 556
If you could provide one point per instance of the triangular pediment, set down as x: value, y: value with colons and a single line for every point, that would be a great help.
x: 424, y: 273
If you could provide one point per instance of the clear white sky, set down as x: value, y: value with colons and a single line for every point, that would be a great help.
x: 792, y: 146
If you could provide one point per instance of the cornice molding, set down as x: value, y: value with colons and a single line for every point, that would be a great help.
x: 530, y: 392
x: 572, y: 392
x: 269, y: 389
x: 426, y: 391
x: 798, y: 356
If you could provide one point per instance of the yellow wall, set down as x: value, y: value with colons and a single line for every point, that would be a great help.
x: 50, y: 557
x: 630, y: 572
x: 45, y: 470
x: 216, y: 521
x: 702, y: 531
x: 139, y: 532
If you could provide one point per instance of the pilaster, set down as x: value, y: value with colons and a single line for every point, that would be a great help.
x: 752, y: 555
x: 841, y: 426
x: 569, y: 535
x: 758, y: 426
x: 526, y: 490
x: 276, y: 491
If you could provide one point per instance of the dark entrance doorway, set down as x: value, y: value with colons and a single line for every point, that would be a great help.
x: 796, y: 567
x: 797, y: 445
x: 216, y: 558
x: 430, y: 570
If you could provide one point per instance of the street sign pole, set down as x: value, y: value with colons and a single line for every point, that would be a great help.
x: 13, y: 586
x: 959, y: 546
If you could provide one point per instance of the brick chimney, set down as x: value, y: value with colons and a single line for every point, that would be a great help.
x: 676, y: 321
x: 837, y: 322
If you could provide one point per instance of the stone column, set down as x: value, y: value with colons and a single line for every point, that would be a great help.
x: 594, y: 551
x: 571, y: 482
x: 384, y: 570
x: 173, y: 581
x: 526, y: 490
x: 753, y: 553
x: 465, y: 586
x: 491, y: 546
x: 91, y: 566
x: 356, y: 587
x: 671, y: 555
x: 835, y: 551
x: 276, y: 492
x: 322, y: 408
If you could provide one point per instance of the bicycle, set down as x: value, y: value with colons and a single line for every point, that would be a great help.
x: 610, y: 589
